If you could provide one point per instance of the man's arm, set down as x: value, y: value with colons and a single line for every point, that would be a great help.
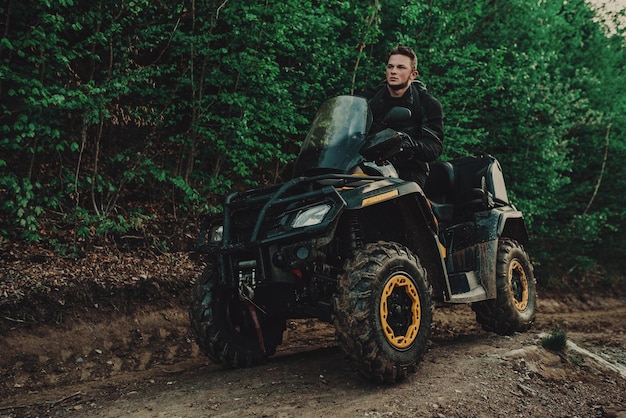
x: 431, y: 137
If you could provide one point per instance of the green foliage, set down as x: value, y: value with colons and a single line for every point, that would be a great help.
x: 23, y: 205
x: 109, y: 107
x: 556, y: 340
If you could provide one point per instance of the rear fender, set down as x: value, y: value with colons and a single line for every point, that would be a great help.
x: 512, y: 226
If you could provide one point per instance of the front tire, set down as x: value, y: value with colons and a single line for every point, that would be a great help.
x: 223, y: 326
x: 513, y: 310
x: 383, y: 312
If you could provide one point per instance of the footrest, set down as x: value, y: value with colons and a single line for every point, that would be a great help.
x: 466, y: 287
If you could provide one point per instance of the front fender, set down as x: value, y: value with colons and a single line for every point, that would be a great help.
x: 395, y: 210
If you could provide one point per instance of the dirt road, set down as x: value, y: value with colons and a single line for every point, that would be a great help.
x: 99, y: 362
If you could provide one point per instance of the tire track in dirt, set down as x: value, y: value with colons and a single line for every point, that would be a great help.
x: 105, y: 363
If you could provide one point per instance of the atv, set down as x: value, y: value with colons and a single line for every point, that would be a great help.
x: 347, y: 241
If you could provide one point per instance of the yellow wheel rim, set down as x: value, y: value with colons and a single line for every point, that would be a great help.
x: 518, y: 285
x: 400, y: 311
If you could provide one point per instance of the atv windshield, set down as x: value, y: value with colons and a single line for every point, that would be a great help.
x: 335, y: 138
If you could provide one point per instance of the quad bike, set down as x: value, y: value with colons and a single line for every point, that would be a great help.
x: 348, y: 242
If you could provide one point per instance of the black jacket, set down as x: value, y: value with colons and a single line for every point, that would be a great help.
x: 425, y: 125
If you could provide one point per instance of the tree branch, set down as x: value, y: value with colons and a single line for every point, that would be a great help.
x: 606, y: 154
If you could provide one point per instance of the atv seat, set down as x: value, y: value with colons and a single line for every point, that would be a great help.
x: 439, y: 188
x: 480, y: 184
x: 465, y: 185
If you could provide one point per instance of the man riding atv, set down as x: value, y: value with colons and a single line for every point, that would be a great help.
x: 424, y: 129
x: 347, y: 241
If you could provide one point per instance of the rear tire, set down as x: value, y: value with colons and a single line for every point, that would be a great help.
x: 383, y: 312
x: 513, y: 310
x: 223, y: 327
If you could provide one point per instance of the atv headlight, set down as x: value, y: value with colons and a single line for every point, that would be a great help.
x: 216, y: 234
x: 310, y: 216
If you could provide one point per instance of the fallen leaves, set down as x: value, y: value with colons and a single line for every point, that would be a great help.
x: 30, y: 281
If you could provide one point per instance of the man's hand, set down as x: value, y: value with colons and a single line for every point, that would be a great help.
x: 409, y: 144
x: 407, y: 148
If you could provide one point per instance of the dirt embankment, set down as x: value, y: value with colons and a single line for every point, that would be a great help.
x: 122, y: 347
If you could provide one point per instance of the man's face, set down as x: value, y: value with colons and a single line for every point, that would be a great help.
x: 399, y: 72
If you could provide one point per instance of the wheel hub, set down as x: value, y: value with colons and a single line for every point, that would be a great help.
x: 400, y: 311
x: 519, y: 285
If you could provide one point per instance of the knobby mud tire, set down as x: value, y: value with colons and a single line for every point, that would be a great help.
x: 384, y: 290
x: 223, y: 327
x: 513, y: 310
